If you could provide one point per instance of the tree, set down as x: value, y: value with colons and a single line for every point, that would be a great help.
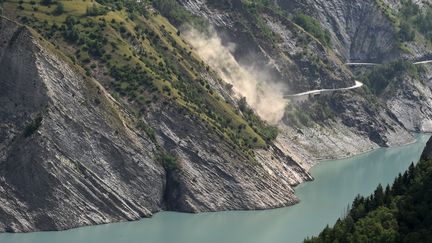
x: 313, y: 27
x: 46, y: 2
x: 59, y: 9
x: 409, y: 8
x: 406, y: 215
x: 379, y: 196
x: 406, y: 32
x: 378, y: 226
x: 242, y: 103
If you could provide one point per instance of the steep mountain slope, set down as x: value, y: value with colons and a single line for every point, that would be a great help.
x: 190, y: 109
x: 86, y: 159
x: 333, y: 125
x: 67, y: 156
x: 375, y: 31
x: 360, y: 30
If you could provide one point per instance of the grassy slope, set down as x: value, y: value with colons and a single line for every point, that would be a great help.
x: 141, y: 59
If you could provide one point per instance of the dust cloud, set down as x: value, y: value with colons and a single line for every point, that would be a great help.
x: 255, y: 84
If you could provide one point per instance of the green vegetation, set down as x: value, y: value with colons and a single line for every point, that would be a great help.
x: 306, y: 114
x: 383, y: 75
x: 406, y: 32
x: 255, y: 21
x: 95, y: 10
x: 313, y: 27
x: 411, y: 22
x: 140, y: 58
x: 387, y: 10
x: 298, y: 118
x: 415, y: 19
x: 59, y: 9
x: 148, y: 130
x: 47, y: 2
x: 169, y: 162
x: 269, y: 133
x: 400, y: 213
x: 32, y: 126
x: 179, y: 15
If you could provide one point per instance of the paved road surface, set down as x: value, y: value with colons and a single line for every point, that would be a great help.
x: 319, y: 91
x: 357, y: 83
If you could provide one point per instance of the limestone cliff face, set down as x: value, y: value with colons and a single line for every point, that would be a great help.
x: 213, y: 176
x: 360, y: 126
x: 360, y: 31
x: 80, y: 164
x: 290, y: 55
x: 69, y: 156
x: 410, y: 100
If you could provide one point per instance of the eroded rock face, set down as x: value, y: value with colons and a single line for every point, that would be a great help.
x: 81, y: 165
x: 292, y: 58
x: 359, y: 126
x: 213, y: 175
x: 410, y: 100
x: 69, y: 158
x: 360, y: 31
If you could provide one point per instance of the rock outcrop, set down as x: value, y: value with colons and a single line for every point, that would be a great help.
x: 212, y: 175
x: 360, y: 30
x: 410, y: 100
x: 69, y: 156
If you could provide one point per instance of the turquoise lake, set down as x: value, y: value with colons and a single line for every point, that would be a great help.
x: 323, y: 201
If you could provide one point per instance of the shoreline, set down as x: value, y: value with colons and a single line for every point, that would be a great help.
x: 284, y: 205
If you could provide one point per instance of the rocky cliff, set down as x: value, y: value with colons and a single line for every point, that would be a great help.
x: 339, y: 124
x: 410, y: 101
x: 360, y: 30
x: 110, y: 112
x: 70, y: 156
x: 67, y: 157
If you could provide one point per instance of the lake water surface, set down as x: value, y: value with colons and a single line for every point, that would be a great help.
x: 322, y: 202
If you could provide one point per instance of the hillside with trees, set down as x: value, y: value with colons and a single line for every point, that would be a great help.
x: 401, y: 212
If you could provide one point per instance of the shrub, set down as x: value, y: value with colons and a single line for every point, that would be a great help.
x: 59, y: 9
x: 313, y: 27
x: 413, y: 19
x: 406, y: 32
x: 380, y: 77
x: 169, y: 162
x: 269, y: 132
x: 46, y: 2
x: 147, y: 129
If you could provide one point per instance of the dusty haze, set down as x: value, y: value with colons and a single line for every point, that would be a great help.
x: 261, y: 93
